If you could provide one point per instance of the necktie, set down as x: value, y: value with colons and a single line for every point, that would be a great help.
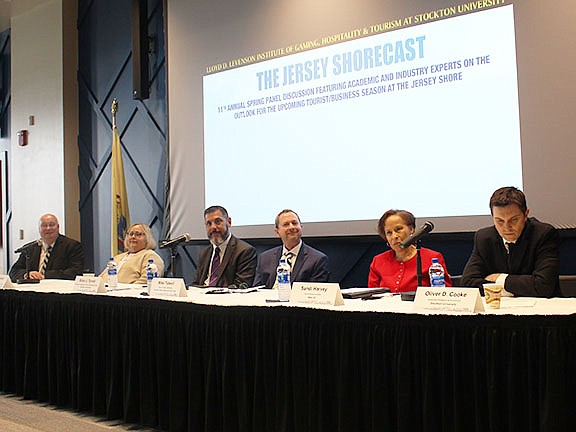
x: 509, y: 247
x: 288, y: 257
x: 214, y: 268
x: 45, y: 260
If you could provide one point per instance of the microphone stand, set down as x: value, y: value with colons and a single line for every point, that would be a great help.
x: 173, y: 259
x: 27, y: 280
x: 27, y: 252
x: 418, y: 264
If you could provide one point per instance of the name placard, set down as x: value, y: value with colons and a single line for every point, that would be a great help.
x: 89, y: 284
x: 323, y: 293
x: 168, y: 287
x: 455, y: 300
x: 5, y: 282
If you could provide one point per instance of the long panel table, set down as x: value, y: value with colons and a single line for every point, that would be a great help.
x: 242, y: 365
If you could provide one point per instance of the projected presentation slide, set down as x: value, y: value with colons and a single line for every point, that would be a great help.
x: 424, y: 117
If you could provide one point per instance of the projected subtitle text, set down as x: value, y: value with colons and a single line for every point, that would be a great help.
x: 408, y: 79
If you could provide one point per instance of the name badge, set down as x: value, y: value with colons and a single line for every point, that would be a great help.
x: 455, y: 300
x: 168, y: 287
x: 5, y: 282
x: 89, y: 284
x: 322, y: 293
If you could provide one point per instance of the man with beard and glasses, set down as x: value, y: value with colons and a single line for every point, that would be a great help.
x: 228, y: 260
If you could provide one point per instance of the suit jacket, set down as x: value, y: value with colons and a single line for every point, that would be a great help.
x: 237, y: 266
x: 311, y: 265
x: 532, y: 266
x: 66, y: 260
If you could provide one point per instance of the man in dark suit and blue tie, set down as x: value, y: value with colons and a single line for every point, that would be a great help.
x: 307, y: 263
x: 518, y: 252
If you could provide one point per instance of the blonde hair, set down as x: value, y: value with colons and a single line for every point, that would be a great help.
x: 150, y: 240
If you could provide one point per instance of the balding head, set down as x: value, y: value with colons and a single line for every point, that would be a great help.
x: 49, y: 228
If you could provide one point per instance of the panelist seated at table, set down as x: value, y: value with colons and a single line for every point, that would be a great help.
x: 54, y: 256
x: 396, y: 268
x: 132, y: 264
x: 228, y: 260
x: 307, y: 264
x: 518, y: 252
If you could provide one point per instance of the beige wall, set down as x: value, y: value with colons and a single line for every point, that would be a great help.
x: 43, y: 175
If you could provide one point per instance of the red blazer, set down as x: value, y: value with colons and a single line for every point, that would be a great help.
x: 387, y: 272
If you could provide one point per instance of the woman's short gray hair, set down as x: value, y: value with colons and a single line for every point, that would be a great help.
x: 150, y: 240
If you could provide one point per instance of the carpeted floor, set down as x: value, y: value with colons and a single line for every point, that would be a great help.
x: 18, y: 415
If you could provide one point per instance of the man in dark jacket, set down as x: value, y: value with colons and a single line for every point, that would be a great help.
x: 53, y: 256
x: 518, y: 252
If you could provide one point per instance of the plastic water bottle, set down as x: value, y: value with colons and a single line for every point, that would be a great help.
x: 112, y: 274
x: 283, y: 275
x: 436, y: 273
x: 151, y: 273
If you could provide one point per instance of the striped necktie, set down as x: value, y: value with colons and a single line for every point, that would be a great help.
x: 45, y: 260
x: 288, y: 257
x: 214, y: 268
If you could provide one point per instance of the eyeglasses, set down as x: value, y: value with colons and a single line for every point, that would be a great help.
x: 48, y: 225
x: 135, y: 234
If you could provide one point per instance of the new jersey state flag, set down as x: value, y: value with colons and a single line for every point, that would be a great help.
x: 120, y: 211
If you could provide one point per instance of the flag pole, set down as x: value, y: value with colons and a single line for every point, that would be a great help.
x: 114, y: 110
x: 120, y: 211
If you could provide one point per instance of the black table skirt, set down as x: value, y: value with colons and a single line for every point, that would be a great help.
x: 186, y: 367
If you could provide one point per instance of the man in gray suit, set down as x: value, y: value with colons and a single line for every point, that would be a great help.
x: 307, y: 263
x: 228, y: 260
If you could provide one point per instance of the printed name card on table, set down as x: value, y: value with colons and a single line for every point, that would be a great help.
x: 5, y: 282
x: 454, y: 300
x: 89, y: 284
x: 168, y: 287
x: 323, y: 293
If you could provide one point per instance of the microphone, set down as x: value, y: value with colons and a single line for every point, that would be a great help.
x: 175, y: 242
x: 27, y: 245
x: 420, y: 232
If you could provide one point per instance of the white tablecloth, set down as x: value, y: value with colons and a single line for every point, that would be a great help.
x: 386, y: 303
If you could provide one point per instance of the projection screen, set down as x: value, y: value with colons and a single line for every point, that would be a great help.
x: 342, y: 110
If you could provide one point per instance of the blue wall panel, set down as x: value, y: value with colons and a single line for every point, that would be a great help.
x: 105, y: 73
x: 5, y: 98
